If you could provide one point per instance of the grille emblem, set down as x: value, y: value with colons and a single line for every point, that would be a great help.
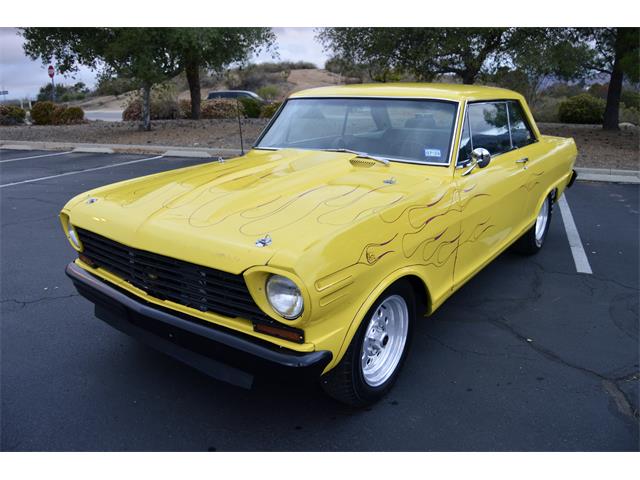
x: 264, y: 241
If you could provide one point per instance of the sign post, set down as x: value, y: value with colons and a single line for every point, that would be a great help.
x: 51, y: 71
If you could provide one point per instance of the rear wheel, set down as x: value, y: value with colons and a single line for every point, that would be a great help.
x: 371, y: 364
x: 533, y: 240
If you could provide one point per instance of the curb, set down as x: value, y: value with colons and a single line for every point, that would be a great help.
x: 191, y: 152
x: 608, y: 175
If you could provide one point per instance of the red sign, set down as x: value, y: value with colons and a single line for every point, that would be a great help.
x: 51, y: 71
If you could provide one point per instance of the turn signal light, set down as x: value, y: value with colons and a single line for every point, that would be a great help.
x: 284, y: 333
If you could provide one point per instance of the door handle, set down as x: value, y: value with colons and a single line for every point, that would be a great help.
x: 523, y: 160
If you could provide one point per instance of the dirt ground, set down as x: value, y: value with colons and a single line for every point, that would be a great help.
x: 596, y: 147
x: 183, y: 133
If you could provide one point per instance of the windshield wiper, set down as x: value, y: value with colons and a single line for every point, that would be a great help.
x: 359, y: 154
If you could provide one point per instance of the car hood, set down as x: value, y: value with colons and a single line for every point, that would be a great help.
x: 216, y: 214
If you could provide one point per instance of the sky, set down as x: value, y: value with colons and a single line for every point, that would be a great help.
x: 23, y: 77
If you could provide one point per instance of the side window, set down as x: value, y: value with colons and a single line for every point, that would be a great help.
x: 489, y: 127
x: 464, y: 152
x: 521, y: 134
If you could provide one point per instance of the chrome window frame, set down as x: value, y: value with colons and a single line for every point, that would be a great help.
x: 506, y: 101
x: 452, y: 143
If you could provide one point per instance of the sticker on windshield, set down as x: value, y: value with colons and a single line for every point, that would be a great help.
x: 432, y: 152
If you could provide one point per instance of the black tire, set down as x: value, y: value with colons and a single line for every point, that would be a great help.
x: 529, y: 243
x: 345, y: 382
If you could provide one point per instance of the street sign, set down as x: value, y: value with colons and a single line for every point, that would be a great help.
x: 51, y: 71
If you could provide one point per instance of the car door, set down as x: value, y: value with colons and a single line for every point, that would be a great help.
x: 490, y: 199
x: 531, y: 155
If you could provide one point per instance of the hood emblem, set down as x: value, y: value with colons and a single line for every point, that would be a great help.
x: 389, y: 181
x: 264, y: 241
x: 91, y: 200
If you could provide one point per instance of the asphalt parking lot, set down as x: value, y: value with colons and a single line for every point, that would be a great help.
x: 530, y: 355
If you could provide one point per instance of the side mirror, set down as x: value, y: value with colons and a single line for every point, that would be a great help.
x: 480, y: 157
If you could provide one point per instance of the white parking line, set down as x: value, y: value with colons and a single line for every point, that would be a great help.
x: 577, y: 250
x: 80, y: 171
x: 35, y: 156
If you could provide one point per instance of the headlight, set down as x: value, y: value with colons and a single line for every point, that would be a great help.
x: 284, y: 296
x: 73, y: 236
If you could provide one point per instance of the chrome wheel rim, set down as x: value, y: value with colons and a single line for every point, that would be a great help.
x: 384, y: 340
x: 541, y: 222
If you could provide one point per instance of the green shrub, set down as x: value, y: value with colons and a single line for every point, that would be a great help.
x: 56, y: 115
x: 630, y: 99
x: 252, y: 107
x: 71, y: 115
x: 11, y: 115
x: 270, y: 109
x: 269, y: 92
x: 583, y: 108
x: 221, y: 109
x: 42, y: 112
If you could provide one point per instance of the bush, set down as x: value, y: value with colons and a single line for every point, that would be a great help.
x: 221, y: 109
x: 71, y: 115
x: 48, y: 113
x: 251, y: 107
x: 42, y: 112
x: 133, y: 111
x: 630, y: 99
x: 164, y: 106
x: 269, y: 92
x: 583, y: 108
x: 11, y: 115
x: 270, y: 109
x: 184, y: 108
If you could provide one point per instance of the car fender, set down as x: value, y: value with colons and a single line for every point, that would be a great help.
x: 386, y: 282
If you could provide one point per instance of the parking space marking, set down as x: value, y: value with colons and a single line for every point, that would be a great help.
x: 34, y: 156
x: 577, y: 250
x: 75, y: 172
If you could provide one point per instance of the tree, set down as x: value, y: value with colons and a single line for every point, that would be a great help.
x: 145, y: 55
x: 422, y: 52
x: 63, y: 92
x: 537, y: 55
x: 141, y: 54
x: 214, y: 49
x: 614, y: 52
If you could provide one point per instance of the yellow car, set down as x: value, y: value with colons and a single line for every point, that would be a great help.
x: 358, y: 212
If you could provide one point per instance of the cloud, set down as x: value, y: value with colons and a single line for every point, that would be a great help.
x: 23, y: 77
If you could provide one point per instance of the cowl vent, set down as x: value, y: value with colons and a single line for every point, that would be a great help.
x: 362, y: 162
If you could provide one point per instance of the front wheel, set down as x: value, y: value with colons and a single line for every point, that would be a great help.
x: 371, y: 364
x: 533, y: 240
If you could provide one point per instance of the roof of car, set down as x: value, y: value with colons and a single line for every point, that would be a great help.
x: 445, y: 91
x: 230, y: 91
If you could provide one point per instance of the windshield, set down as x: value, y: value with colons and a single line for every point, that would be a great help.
x: 398, y: 129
